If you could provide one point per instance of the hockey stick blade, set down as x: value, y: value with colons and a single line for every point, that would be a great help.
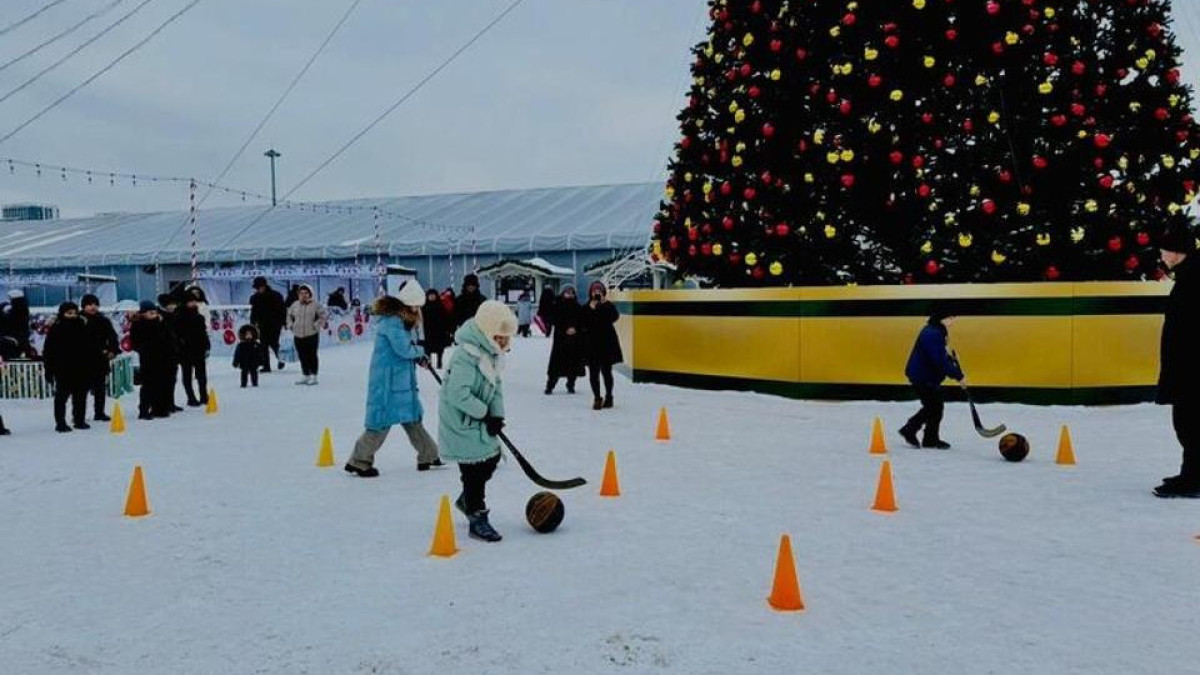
x: 984, y: 431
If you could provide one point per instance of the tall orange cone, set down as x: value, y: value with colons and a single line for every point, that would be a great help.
x: 443, y: 532
x: 325, y: 456
x: 885, y: 495
x: 785, y: 592
x: 664, y: 426
x: 609, y: 486
x: 212, y: 408
x: 878, y: 444
x: 1066, y: 453
x: 135, y: 503
x: 117, y: 425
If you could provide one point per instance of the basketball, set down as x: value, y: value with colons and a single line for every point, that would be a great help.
x: 1014, y: 447
x: 544, y: 511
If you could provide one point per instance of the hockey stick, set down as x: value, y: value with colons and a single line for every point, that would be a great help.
x: 983, y: 431
x: 524, y: 463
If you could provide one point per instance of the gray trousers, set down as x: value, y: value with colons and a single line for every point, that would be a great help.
x: 369, y: 443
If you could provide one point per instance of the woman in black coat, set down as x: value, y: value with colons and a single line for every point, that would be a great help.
x: 1179, y: 378
x: 603, y: 346
x: 195, y: 345
x: 436, y: 324
x: 69, y: 358
x: 566, y: 355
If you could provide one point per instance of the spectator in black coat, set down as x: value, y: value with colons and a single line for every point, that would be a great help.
x: 337, y: 299
x: 545, y: 310
x: 156, y: 356
x: 172, y: 319
x: 603, y: 347
x: 70, y: 361
x: 436, y: 325
x: 268, y: 313
x: 195, y: 345
x: 248, y: 354
x: 566, y: 354
x: 468, y: 302
x: 101, y: 334
x: 14, y: 326
x: 1179, y: 377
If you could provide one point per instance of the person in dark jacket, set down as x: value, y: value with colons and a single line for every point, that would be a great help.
x: 337, y: 300
x: 172, y: 319
x: 929, y: 364
x: 603, y: 348
x: 468, y: 302
x: 195, y: 345
x: 1179, y: 374
x: 156, y: 358
x: 268, y: 313
x: 545, y: 311
x: 103, y: 336
x: 14, y: 325
x: 436, y: 325
x: 566, y: 354
x: 248, y: 354
x: 69, y: 358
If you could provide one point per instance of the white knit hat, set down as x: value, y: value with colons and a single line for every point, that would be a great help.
x: 16, y: 293
x: 495, y: 318
x: 411, y: 294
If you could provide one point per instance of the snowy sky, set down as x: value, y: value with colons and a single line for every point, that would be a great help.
x: 559, y: 93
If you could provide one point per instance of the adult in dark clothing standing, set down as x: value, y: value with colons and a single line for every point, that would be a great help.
x: 195, y: 345
x: 545, y: 310
x: 103, y: 336
x: 268, y: 314
x: 468, y: 302
x: 566, y: 354
x: 70, y: 362
x: 436, y: 325
x: 14, y: 325
x: 153, y: 343
x: 929, y: 364
x: 171, y: 316
x: 337, y: 300
x: 1179, y: 376
x: 603, y: 348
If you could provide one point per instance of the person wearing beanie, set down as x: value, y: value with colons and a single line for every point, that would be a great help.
x: 192, y: 324
x: 153, y: 344
x: 69, y: 362
x: 393, y: 394
x: 268, y: 313
x: 567, y: 333
x: 471, y: 408
x: 102, y: 340
x: 929, y: 364
x: 14, y: 323
x: 602, y: 346
x: 1179, y: 372
x: 435, y: 323
x: 306, y: 318
x: 468, y: 302
x: 172, y: 318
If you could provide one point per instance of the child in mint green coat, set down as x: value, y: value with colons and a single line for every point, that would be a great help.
x: 471, y: 408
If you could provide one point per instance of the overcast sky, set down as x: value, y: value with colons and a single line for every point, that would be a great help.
x: 562, y: 92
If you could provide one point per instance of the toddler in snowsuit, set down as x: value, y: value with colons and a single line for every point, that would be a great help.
x: 471, y: 408
x: 248, y: 355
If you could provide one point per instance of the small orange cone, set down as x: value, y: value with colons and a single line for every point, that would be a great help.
x: 785, y: 592
x: 325, y: 456
x: 885, y: 495
x: 609, y: 486
x: 135, y: 503
x: 1066, y: 454
x: 117, y: 426
x: 443, y: 533
x: 212, y: 408
x: 664, y: 426
x: 878, y: 445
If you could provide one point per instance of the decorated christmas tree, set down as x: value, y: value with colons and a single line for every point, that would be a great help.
x: 922, y: 141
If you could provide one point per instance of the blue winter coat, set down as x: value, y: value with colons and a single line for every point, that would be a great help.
x: 392, y: 396
x: 930, y: 362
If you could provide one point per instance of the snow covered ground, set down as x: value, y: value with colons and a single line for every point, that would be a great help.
x: 256, y: 561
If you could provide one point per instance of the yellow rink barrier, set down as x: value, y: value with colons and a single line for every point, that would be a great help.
x: 1083, y: 343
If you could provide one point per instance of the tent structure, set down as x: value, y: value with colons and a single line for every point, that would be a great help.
x: 39, y: 286
x: 512, y: 277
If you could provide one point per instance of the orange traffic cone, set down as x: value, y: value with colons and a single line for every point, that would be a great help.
x: 443, y: 532
x: 212, y: 408
x: 117, y: 426
x: 1066, y: 453
x: 885, y: 495
x: 609, y: 486
x: 785, y: 592
x: 878, y: 445
x: 664, y: 426
x: 135, y: 503
x: 325, y: 456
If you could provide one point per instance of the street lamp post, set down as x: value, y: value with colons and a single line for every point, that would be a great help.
x: 272, y: 154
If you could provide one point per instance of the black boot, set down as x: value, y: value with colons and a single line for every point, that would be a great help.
x: 3, y: 429
x: 62, y: 428
x: 608, y: 401
x: 910, y: 436
x: 425, y: 466
x: 597, y: 403
x: 935, y: 443
x: 369, y: 472
x: 549, y: 387
x: 101, y: 417
x: 481, y: 528
x: 82, y: 425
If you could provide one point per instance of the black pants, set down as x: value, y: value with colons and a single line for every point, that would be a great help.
x: 523, y: 330
x: 1186, y: 417
x: 306, y: 350
x: 474, y: 480
x: 77, y: 392
x: 596, y: 369
x: 930, y: 415
x: 157, y: 393
x: 99, y: 391
x: 250, y: 374
x: 197, y: 368
x: 270, y: 343
x: 552, y: 382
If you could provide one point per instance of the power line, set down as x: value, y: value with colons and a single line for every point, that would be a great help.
x: 75, y: 51
x: 31, y: 17
x: 94, y: 15
x: 112, y: 64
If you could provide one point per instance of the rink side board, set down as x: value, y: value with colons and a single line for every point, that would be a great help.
x: 1088, y: 343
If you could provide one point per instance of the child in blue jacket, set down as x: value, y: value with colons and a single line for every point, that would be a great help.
x: 928, y: 366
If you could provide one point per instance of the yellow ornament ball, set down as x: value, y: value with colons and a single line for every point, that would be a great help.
x: 748, y: 39
x: 1091, y: 206
x: 1077, y: 234
x: 751, y: 259
x: 919, y: 4
x: 930, y: 62
x: 832, y: 157
x: 1011, y: 38
x: 847, y: 155
x: 897, y: 95
x: 870, y: 54
x: 1043, y: 239
x: 819, y: 136
x: 736, y: 161
x: 708, y: 187
x: 1045, y: 88
x: 1024, y: 208
x: 993, y: 117
x: 835, y: 31
x: 776, y: 268
x: 965, y: 240
x: 739, y: 116
x: 975, y: 191
x: 998, y: 257
x: 1050, y: 13
x: 847, y: 68
x: 733, y: 106
x: 874, y: 127
x: 830, y: 231
x: 718, y: 249
x: 980, y: 80
x: 740, y: 147
x: 1168, y: 161
x: 776, y: 74
x: 927, y: 247
x: 1143, y: 63
x: 809, y: 178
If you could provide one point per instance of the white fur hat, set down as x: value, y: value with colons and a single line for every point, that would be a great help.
x: 16, y: 293
x: 495, y: 318
x: 411, y: 294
